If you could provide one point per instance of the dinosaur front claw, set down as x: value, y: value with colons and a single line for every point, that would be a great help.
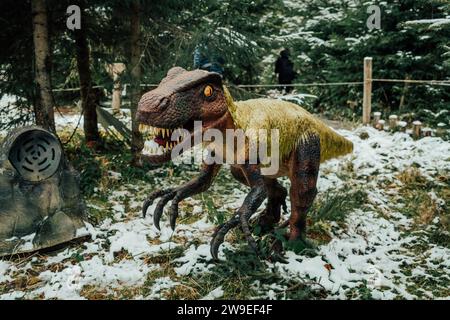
x: 149, y: 201
x: 165, y: 195
x: 173, y: 213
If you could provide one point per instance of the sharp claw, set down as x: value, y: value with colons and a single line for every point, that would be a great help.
x: 215, y: 244
x: 156, y: 222
x: 145, y: 206
x: 173, y: 214
x: 216, y: 241
x: 214, y: 251
x: 149, y: 201
x: 157, y: 215
x: 159, y: 209
x: 219, y: 236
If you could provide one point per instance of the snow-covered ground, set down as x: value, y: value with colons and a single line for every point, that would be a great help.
x: 377, y: 249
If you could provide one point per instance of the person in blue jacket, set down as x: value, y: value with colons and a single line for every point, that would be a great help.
x: 205, y: 61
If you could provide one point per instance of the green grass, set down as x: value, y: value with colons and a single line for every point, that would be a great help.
x: 94, y: 165
x: 335, y: 206
x: 243, y: 276
x: 331, y: 207
x: 440, y: 237
x: 419, y: 204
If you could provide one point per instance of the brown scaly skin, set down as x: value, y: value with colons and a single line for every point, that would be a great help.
x: 177, y: 102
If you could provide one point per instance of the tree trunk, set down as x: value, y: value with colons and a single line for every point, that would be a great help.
x: 135, y: 73
x: 44, y: 109
x: 88, y: 99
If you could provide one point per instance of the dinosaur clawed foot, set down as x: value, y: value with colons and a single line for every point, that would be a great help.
x: 275, y: 253
x: 272, y: 251
x: 166, y: 195
x: 221, y: 231
x: 176, y: 195
x: 219, y: 235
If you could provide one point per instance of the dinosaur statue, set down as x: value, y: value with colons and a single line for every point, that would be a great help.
x: 184, y: 96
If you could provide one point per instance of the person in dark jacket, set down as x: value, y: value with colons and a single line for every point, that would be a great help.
x: 285, y: 69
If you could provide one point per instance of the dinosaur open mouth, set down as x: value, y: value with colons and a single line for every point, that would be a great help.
x: 159, y: 141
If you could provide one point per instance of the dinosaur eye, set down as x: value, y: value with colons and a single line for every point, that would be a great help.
x: 208, y: 91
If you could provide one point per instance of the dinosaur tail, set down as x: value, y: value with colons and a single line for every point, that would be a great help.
x: 333, y: 145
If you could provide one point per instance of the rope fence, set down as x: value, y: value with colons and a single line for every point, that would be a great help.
x: 312, y: 84
x: 432, y: 82
x: 367, y: 86
x: 298, y: 84
x: 74, y: 89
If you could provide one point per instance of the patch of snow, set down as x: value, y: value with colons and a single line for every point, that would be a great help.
x: 214, y: 294
x: 191, y: 257
x: 4, y: 270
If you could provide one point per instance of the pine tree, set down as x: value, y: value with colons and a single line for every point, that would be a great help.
x: 87, y: 93
x: 44, y: 112
x: 135, y: 66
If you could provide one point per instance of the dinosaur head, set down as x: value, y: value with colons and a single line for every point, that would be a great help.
x: 181, y: 98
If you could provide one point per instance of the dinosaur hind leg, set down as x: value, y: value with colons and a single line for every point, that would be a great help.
x: 276, y: 195
x: 252, y: 201
x: 221, y: 231
x: 303, y: 171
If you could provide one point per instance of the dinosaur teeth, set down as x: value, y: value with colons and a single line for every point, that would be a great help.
x: 150, y: 133
x: 161, y: 132
x: 143, y: 128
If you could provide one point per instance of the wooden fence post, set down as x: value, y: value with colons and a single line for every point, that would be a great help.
x: 367, y: 95
x: 417, y: 129
x: 115, y: 70
x: 402, y: 98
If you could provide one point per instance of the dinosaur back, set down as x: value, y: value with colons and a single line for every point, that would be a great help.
x: 295, y: 125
